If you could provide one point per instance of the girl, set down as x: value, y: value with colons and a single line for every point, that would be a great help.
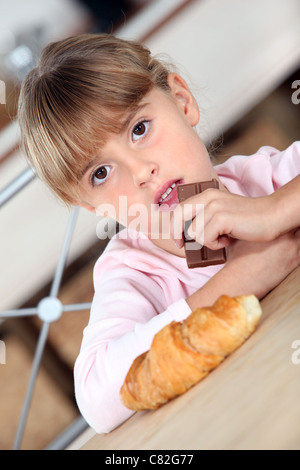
x: 107, y: 126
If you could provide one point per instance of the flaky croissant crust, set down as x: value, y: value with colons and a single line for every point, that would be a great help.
x: 183, y: 353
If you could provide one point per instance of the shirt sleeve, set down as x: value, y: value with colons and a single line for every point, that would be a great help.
x: 262, y: 173
x: 285, y: 164
x: 127, y: 311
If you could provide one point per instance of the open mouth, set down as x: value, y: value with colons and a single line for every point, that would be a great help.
x: 169, y: 198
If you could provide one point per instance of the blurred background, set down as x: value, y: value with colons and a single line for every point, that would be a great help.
x: 241, y: 60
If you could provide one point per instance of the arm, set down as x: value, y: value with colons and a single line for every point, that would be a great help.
x: 270, y: 180
x: 126, y: 315
x: 287, y: 203
x: 245, y: 218
x: 124, y: 318
x: 252, y: 268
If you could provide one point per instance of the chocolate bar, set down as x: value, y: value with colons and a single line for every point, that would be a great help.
x: 196, y: 254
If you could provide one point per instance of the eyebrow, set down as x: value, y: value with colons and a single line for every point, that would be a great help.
x: 125, y: 124
x: 88, y: 166
x: 136, y: 109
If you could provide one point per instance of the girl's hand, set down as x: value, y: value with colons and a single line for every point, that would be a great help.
x: 217, y: 215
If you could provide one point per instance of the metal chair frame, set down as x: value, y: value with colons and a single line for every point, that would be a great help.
x: 48, y: 309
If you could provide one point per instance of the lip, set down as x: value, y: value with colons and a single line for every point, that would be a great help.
x: 172, y: 197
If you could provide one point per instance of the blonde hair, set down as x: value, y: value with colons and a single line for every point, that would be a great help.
x: 78, y: 94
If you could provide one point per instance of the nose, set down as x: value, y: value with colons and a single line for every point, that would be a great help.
x: 143, y: 171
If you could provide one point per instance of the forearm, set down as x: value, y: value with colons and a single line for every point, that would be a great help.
x: 252, y: 268
x: 286, y: 204
x: 227, y: 281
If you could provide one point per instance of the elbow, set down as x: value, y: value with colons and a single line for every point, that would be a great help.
x: 97, y: 396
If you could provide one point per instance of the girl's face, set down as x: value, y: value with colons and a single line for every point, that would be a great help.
x: 133, y: 179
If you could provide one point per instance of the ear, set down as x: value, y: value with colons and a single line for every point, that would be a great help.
x: 184, y: 98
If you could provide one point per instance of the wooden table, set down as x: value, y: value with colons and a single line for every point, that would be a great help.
x: 251, y: 401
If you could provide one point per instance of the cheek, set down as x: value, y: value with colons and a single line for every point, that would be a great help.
x: 193, y: 154
x: 131, y: 213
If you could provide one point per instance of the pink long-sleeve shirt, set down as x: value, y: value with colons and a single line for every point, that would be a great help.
x: 139, y: 288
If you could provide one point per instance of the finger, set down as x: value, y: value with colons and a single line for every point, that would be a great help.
x: 179, y: 242
x: 194, y: 230
x: 182, y: 214
x: 209, y: 232
x: 297, y: 232
x: 222, y: 242
x: 217, y: 231
x: 197, y: 231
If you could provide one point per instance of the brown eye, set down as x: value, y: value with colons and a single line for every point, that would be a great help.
x: 100, y: 175
x: 140, y: 130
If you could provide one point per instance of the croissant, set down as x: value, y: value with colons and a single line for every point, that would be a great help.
x: 183, y: 353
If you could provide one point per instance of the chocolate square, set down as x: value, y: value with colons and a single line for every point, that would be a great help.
x: 198, y: 255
